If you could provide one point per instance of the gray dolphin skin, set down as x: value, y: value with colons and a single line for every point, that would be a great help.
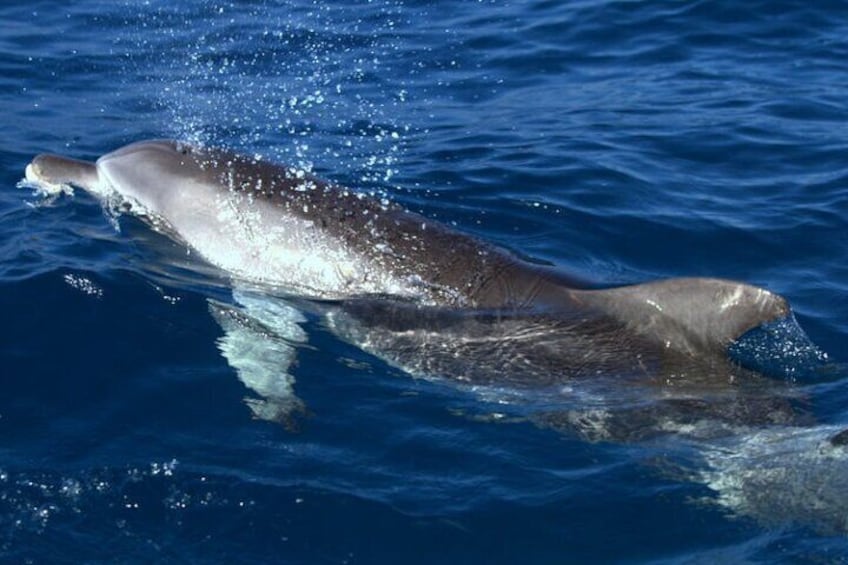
x: 417, y: 293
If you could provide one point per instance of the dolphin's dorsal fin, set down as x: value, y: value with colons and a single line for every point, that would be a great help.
x: 690, y: 315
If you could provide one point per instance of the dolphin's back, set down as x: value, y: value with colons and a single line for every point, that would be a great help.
x: 457, y: 269
x: 450, y: 267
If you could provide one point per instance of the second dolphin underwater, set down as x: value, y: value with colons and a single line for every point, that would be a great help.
x: 435, y: 301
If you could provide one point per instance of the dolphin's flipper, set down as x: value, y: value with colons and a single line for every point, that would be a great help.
x: 260, y: 342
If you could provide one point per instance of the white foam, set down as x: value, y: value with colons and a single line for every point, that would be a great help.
x: 84, y: 285
x: 41, y: 187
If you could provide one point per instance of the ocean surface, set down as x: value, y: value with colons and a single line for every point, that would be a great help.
x: 620, y: 141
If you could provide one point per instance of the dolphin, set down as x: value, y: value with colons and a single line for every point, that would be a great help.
x: 609, y: 364
x: 420, y: 294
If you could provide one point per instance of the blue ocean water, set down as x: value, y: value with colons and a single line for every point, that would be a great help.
x: 620, y: 141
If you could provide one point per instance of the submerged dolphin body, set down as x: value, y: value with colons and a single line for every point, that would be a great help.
x: 614, y: 364
x: 421, y: 295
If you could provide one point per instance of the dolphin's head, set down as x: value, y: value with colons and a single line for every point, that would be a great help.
x: 155, y: 173
x: 140, y: 172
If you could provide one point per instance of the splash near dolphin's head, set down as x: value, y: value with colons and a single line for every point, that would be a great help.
x: 779, y: 348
